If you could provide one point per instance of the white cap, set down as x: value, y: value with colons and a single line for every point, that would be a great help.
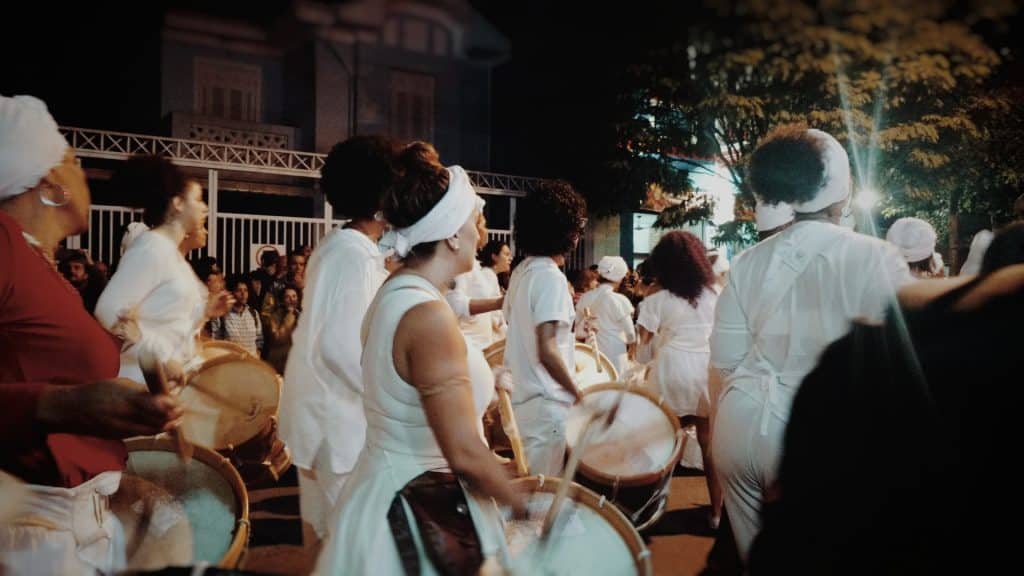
x: 770, y: 217
x: 914, y: 237
x: 612, y: 268
x: 30, y: 144
x: 836, y: 185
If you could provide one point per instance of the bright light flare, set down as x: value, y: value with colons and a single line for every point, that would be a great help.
x: 867, y: 198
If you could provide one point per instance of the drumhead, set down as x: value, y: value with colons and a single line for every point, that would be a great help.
x: 639, y: 446
x: 591, y: 536
x: 585, y: 371
x: 216, y: 348
x: 229, y: 400
x: 178, y: 514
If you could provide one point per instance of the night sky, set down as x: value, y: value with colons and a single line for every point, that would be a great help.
x: 96, y: 66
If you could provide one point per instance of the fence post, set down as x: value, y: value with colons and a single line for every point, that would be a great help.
x: 211, y: 221
x: 328, y: 219
x: 512, y: 225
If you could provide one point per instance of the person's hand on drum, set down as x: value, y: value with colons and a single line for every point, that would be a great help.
x: 219, y: 304
x: 126, y: 329
x: 503, y: 379
x: 116, y: 408
x: 174, y: 373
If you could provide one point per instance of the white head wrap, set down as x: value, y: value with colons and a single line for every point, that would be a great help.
x: 770, y: 217
x: 30, y: 144
x: 836, y: 185
x: 612, y: 268
x: 914, y: 237
x: 443, y: 220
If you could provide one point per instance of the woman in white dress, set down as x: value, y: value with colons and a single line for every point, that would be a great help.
x: 495, y: 261
x: 425, y: 388
x: 674, y: 324
x: 154, y: 284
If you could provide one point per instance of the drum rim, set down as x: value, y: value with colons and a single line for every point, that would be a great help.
x: 232, y: 558
x: 646, y: 478
x: 499, y: 346
x: 604, y: 508
x: 250, y: 359
x: 228, y: 345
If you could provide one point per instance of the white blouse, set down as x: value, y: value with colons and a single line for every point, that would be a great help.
x: 155, y: 279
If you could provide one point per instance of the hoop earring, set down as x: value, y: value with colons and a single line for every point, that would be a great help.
x: 66, y: 196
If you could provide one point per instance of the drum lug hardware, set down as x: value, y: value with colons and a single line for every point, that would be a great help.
x: 600, y: 503
x: 540, y: 480
x: 615, y: 489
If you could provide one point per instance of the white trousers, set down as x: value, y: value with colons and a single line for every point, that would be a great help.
x: 68, y: 531
x: 318, y: 492
x: 747, y: 445
x: 542, y: 427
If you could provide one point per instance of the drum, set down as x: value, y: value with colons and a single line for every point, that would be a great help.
x: 231, y: 406
x: 590, y: 369
x: 175, y: 513
x: 591, y: 537
x: 631, y: 461
x: 216, y: 348
x: 585, y: 373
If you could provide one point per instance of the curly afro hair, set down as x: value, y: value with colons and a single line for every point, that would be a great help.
x: 357, y: 173
x: 680, y: 264
x: 550, y: 220
x: 788, y: 165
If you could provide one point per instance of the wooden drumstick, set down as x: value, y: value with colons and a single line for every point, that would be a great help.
x: 606, y: 420
x: 156, y: 381
x: 508, y: 423
x: 592, y: 340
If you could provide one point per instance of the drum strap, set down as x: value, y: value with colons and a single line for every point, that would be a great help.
x: 439, y: 506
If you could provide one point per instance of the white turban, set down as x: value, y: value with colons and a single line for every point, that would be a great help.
x: 836, y: 185
x: 914, y: 237
x: 443, y: 220
x: 30, y: 144
x: 612, y: 268
x: 770, y: 217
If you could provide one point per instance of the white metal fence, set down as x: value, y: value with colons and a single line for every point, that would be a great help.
x: 238, y: 234
x: 232, y: 235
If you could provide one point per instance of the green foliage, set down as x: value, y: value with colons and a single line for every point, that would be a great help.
x: 910, y: 87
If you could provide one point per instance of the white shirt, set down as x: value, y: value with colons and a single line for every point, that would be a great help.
x: 155, y: 279
x: 481, y: 330
x: 854, y: 277
x: 976, y: 254
x: 321, y: 400
x: 614, y: 321
x: 538, y: 292
x: 498, y: 324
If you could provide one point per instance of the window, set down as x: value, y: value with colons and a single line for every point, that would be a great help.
x: 418, y: 35
x: 227, y: 90
x: 412, y: 106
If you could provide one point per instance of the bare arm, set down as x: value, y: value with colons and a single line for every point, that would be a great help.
x: 551, y: 359
x: 482, y: 305
x: 115, y: 408
x: 430, y: 353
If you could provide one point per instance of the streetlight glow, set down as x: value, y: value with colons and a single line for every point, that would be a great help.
x: 867, y: 198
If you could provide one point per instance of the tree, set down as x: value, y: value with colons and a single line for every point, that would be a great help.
x: 905, y: 85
